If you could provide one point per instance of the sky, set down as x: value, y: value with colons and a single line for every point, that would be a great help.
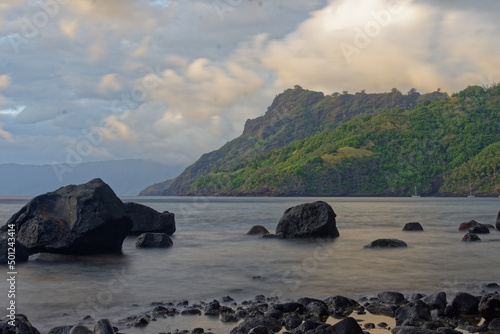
x: 166, y: 80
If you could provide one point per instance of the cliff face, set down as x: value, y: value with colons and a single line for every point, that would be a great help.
x: 294, y: 115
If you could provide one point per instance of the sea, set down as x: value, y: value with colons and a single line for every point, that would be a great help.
x: 213, y: 257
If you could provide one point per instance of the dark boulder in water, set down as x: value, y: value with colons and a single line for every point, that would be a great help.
x: 471, y: 237
x: 258, y: 230
x: 309, y: 220
x: 76, y: 219
x: 386, y: 243
x: 467, y: 225
x: 480, y: 229
x: 498, y: 221
x: 146, y: 219
x: 154, y: 240
x: 414, y: 226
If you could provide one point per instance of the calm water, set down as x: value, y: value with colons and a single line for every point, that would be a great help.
x: 213, y: 257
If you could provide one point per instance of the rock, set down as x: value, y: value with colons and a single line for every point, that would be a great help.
x: 467, y: 226
x: 411, y: 330
x: 269, y: 236
x: 60, y: 330
x: 22, y: 326
x: 444, y: 330
x: 450, y: 311
x: 386, y: 243
x: 497, y: 225
x: 258, y: 230
x: 306, y: 326
x: 292, y: 307
x: 80, y: 329
x: 380, y: 309
x: 340, y: 305
x: 146, y: 219
x: 480, y: 229
x: 191, y: 311
x: 391, y: 297
x: 436, y: 301
x: 346, y: 326
x: 260, y: 330
x: 103, y: 326
x: 413, y: 314
x: 251, y: 322
x: 291, y: 322
x: 21, y: 252
x: 494, y: 325
x: 229, y: 318
x: 227, y: 299
x: 470, y: 237
x: 77, y: 219
x: 413, y: 227
x: 154, y: 240
x: 274, y: 313
x: 309, y: 220
x: 198, y: 331
x: 465, y: 303
x: 489, y: 307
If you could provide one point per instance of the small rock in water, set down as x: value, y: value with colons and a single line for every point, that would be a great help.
x: 471, y: 237
x: 258, y: 230
x: 414, y: 226
x: 386, y: 243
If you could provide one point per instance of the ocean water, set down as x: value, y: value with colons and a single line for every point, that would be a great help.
x: 212, y: 257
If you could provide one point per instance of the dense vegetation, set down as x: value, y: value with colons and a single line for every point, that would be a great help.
x: 372, y: 144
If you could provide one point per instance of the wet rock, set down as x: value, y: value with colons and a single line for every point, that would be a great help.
x: 292, y: 321
x: 292, y: 307
x: 306, y: 326
x: 316, y: 308
x: 386, y: 243
x: 494, y: 325
x: 21, y: 254
x: 59, y: 330
x: 340, y: 305
x: 391, y: 297
x: 227, y: 299
x: 146, y: 219
x: 470, y: 237
x: 23, y: 326
x: 261, y: 330
x: 229, y: 318
x: 489, y: 307
x: 467, y: 225
x: 191, y: 311
x: 346, y: 326
x: 141, y: 322
x: 381, y: 309
x: 274, y: 313
x: 309, y: 220
x: 497, y: 225
x: 103, y: 326
x: 465, y: 303
x: 414, y: 226
x: 154, y: 240
x: 77, y: 219
x: 443, y: 330
x: 198, y: 331
x: 251, y: 322
x: 413, y: 314
x: 481, y: 229
x: 450, y: 311
x: 436, y: 301
x: 258, y: 230
x: 162, y: 311
x: 80, y: 329
x: 369, y: 325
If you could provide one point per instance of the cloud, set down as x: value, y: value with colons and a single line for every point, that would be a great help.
x: 69, y: 28
x: 4, y: 81
x: 109, y: 82
x: 5, y: 135
x: 115, y: 130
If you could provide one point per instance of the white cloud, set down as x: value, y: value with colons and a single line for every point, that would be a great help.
x: 5, y: 135
x: 4, y: 81
x: 69, y: 28
x: 109, y: 82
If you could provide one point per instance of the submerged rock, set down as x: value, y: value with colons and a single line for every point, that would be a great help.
x: 497, y: 225
x: 309, y: 220
x: 146, y: 219
x: 154, y: 240
x: 413, y: 227
x: 471, y: 237
x: 76, y: 219
x: 386, y: 243
x: 258, y: 230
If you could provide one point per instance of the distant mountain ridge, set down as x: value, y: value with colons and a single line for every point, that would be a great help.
x: 125, y: 177
x: 294, y: 115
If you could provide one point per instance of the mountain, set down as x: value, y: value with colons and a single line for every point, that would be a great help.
x: 443, y: 147
x: 294, y: 115
x: 125, y: 177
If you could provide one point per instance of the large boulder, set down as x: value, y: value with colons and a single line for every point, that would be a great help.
x: 6, y: 242
x: 413, y: 314
x: 465, y: 303
x: 386, y: 243
x: 498, y: 221
x: 154, y: 240
x: 146, y: 219
x: 309, y: 220
x: 391, y: 297
x: 22, y: 326
x: 76, y: 219
x: 489, y: 307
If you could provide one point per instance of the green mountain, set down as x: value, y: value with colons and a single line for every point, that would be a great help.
x: 441, y: 145
x: 294, y: 115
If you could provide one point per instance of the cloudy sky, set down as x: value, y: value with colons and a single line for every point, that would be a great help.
x: 89, y: 80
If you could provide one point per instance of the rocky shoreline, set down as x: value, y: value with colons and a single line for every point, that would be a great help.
x: 412, y: 314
